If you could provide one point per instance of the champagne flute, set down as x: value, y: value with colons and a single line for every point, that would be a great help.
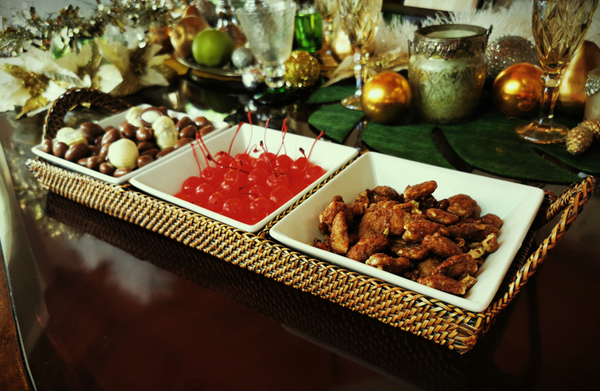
x: 327, y: 10
x: 559, y: 28
x: 359, y: 18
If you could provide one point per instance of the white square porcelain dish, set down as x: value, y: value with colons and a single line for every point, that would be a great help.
x: 115, y: 121
x: 165, y: 179
x: 516, y: 204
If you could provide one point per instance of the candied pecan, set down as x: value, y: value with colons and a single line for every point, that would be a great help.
x: 457, y: 267
x: 318, y: 244
x: 389, y: 264
x: 416, y: 230
x: 397, y: 221
x: 490, y: 243
x: 443, y: 204
x: 464, y: 230
x: 360, y: 204
x: 424, y: 268
x: 469, y: 281
x: 441, y: 216
x: 411, y: 207
x: 389, y: 204
x: 411, y: 251
x: 326, y: 217
x: 340, y: 242
x: 444, y: 283
x: 462, y: 205
x: 367, y: 246
x: 484, y: 231
x: 421, y: 190
x: 492, y: 219
x: 376, y: 222
x: 385, y: 193
x: 427, y: 203
x: 441, y: 246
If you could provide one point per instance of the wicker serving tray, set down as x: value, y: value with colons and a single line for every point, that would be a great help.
x: 432, y: 319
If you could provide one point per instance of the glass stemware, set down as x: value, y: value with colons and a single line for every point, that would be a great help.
x: 327, y: 10
x: 559, y: 28
x: 358, y: 19
x: 269, y: 28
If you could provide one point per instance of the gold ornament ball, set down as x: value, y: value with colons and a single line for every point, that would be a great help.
x: 572, y: 97
x: 517, y: 90
x: 301, y: 70
x: 386, y: 98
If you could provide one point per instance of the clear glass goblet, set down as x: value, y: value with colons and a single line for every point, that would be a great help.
x: 327, y: 10
x: 359, y: 19
x: 559, y: 28
x: 269, y: 28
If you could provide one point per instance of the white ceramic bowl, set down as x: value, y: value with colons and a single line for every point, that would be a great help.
x: 516, y: 204
x: 165, y: 179
x: 115, y: 121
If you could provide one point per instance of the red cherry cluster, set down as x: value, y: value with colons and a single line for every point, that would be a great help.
x: 246, y: 188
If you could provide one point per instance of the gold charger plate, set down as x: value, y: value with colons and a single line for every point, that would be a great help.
x: 210, y: 72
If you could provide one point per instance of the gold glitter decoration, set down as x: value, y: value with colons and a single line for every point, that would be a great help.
x: 593, y: 125
x: 509, y: 50
x: 579, y: 140
x: 385, y: 61
x: 35, y: 84
x: 301, y: 70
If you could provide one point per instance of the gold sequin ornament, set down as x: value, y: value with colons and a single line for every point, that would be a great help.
x: 579, y: 140
x: 34, y: 83
x: 301, y: 70
x: 593, y: 125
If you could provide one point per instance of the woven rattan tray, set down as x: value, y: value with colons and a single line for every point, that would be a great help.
x: 432, y: 319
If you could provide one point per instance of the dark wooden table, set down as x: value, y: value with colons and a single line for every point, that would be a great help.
x: 101, y: 304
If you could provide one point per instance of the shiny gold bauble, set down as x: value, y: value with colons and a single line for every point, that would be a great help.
x: 517, y: 90
x: 301, y: 70
x: 341, y: 48
x: 184, y: 32
x: 571, y: 97
x: 386, y: 98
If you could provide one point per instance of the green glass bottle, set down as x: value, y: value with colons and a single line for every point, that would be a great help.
x: 308, y: 29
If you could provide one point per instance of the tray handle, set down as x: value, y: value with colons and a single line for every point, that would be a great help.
x: 73, y: 97
x: 571, y: 203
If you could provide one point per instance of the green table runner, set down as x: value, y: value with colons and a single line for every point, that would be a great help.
x: 487, y: 142
x: 336, y: 121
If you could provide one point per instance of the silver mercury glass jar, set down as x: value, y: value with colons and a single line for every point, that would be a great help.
x: 446, y: 72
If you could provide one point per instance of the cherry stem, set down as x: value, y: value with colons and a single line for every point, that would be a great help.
x: 265, y: 135
x: 198, y: 135
x: 302, y: 152
x: 284, y: 130
x: 311, y: 148
x: 224, y: 166
x: 201, y: 149
x: 268, y: 160
x: 197, y: 161
x: 234, y: 136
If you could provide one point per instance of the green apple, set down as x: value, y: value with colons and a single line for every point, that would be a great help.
x: 212, y: 48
